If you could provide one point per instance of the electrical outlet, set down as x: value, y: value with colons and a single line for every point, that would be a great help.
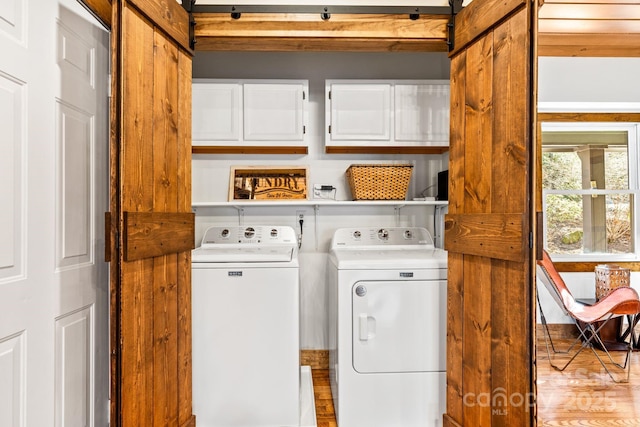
x: 300, y: 215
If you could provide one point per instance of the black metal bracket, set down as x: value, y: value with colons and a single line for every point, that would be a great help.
x: 189, y: 6
x: 456, y: 6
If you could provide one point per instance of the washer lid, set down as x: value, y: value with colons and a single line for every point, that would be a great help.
x: 243, y: 253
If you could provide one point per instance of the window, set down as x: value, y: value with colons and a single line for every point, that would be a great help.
x: 589, y: 188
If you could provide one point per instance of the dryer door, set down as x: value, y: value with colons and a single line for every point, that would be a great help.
x: 399, y: 326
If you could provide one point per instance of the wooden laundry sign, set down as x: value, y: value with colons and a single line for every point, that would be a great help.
x: 267, y: 183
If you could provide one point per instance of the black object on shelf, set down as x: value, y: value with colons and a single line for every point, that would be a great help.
x: 443, y: 185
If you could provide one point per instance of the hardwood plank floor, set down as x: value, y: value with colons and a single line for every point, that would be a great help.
x: 582, y: 395
x: 325, y: 413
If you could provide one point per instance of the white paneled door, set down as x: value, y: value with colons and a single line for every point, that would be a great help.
x: 54, y: 191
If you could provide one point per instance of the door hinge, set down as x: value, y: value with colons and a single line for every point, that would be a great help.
x: 329, y: 95
x: 304, y: 95
x: 531, y: 240
x: 329, y: 128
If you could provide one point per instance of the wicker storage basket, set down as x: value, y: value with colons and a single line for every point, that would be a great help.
x: 379, y: 182
x: 610, y: 277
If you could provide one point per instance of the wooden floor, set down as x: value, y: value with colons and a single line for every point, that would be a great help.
x: 325, y: 414
x: 582, y: 395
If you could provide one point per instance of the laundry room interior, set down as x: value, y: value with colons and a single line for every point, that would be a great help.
x: 211, y: 172
x: 316, y: 218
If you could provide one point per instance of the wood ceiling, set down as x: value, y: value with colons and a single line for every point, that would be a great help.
x: 589, y: 28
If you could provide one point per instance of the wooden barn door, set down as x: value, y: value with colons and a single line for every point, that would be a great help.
x: 151, y: 218
x: 489, y: 331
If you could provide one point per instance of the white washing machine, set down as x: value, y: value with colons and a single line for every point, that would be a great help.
x: 387, y: 300
x: 245, y: 310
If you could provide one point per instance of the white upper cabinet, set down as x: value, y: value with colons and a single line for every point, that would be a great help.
x: 217, y: 112
x: 360, y: 112
x: 249, y: 112
x: 274, y: 112
x: 387, y: 113
x: 422, y: 113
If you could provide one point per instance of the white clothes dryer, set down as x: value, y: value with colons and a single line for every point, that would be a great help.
x: 387, y: 302
x: 245, y: 311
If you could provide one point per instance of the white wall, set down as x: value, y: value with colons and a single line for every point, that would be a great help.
x: 588, y: 79
x: 579, y: 82
x: 211, y: 173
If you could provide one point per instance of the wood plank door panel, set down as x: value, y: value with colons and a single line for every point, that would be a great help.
x: 151, y: 215
x: 489, y: 370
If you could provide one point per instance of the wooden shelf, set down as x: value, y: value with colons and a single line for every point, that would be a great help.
x: 334, y: 149
x: 318, y: 202
x: 235, y: 149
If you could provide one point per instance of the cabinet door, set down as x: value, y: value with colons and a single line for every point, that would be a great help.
x: 216, y: 113
x: 273, y: 112
x: 422, y: 114
x: 359, y: 112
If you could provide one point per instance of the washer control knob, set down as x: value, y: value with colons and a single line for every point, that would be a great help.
x: 361, y: 290
x: 249, y: 232
x: 357, y: 234
x: 274, y: 232
x: 225, y: 233
x: 383, y: 234
x: 408, y: 234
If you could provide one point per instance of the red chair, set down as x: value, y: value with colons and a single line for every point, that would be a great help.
x: 589, y: 319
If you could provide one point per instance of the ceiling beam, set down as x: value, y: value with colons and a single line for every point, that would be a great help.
x: 310, y: 32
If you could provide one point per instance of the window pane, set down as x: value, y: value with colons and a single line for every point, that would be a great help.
x: 564, y: 228
x: 589, y: 224
x: 619, y: 237
x: 575, y: 158
x: 616, y: 170
x: 561, y: 171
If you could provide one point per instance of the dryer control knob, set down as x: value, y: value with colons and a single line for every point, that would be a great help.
x: 383, y: 234
x: 361, y: 291
x: 249, y: 233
